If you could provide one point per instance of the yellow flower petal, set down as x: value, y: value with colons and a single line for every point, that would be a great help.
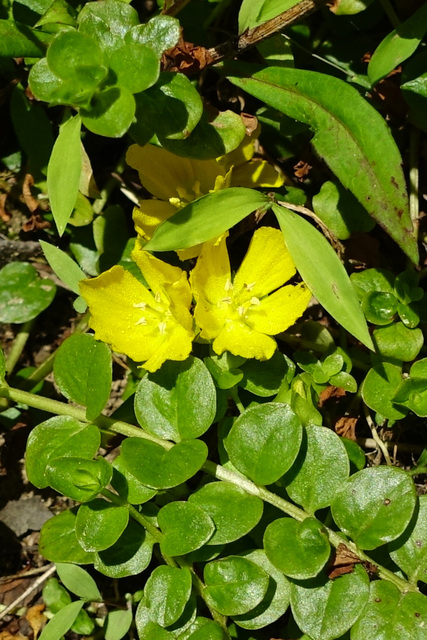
x: 156, y: 272
x: 211, y: 278
x: 241, y: 340
x: 256, y: 173
x: 266, y: 266
x: 176, y: 347
x: 280, y: 310
x: 149, y: 215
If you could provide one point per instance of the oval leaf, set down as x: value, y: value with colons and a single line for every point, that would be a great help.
x: 128, y: 556
x: 61, y: 621
x: 166, y: 592
x: 185, y: 526
x: 99, y: 524
x: 58, y: 542
x: 78, y: 581
x: 23, y: 294
x: 409, y: 551
x: 77, y: 478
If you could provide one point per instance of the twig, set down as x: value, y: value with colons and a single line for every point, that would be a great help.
x: 310, y: 214
x: 379, y: 443
x: 33, y: 587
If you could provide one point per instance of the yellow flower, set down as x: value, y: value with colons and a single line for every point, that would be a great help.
x: 149, y: 325
x: 238, y: 314
x: 175, y: 181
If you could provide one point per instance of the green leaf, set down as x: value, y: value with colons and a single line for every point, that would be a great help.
x: 19, y: 40
x: 276, y: 600
x: 129, y: 555
x: 379, y: 389
x: 414, y: 89
x: 78, y: 478
x: 178, y: 402
x: 163, y: 469
x: 2, y: 365
x: 233, y: 511
x: 409, y: 551
x: 58, y: 11
x: 351, y: 7
x: 365, y: 159
x: 206, y: 218
x: 117, y: 623
x: 264, y: 379
x: 58, y: 542
x: 398, y: 46
x: 55, y: 595
x: 166, y: 592
x: 107, y: 22
x: 63, y: 266
x: 320, y: 469
x: 330, y: 283
x: 185, y: 526
x: 325, y: 609
x: 57, y: 437
x: 203, y: 629
x: 83, y: 372
x: 99, y: 524
x: 379, y: 307
x: 111, y: 112
x: 61, y: 621
x: 147, y: 628
x: 398, y: 342
x: 412, y: 391
x: 264, y: 441
x: 299, y: 549
x: 340, y: 211
x: 391, y: 614
x: 44, y: 83
x: 135, y: 66
x: 234, y: 585
x: 129, y: 487
x: 255, y: 12
x: 63, y: 172
x: 375, y: 505
x: 78, y: 581
x: 23, y: 294
x: 78, y: 58
x: 160, y: 33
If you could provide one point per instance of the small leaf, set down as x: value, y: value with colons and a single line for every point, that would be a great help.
x: 100, y: 524
x: 63, y: 266
x: 409, y: 551
x: 19, y: 40
x: 166, y: 592
x: 78, y: 478
x: 23, y: 294
x: 398, y: 342
x: 265, y: 378
x: 379, y: 389
x: 78, y: 581
x: 375, y: 505
x: 107, y: 22
x: 340, y: 211
x: 185, y: 526
x: 111, y: 112
x: 129, y: 487
x: 129, y: 555
x: 58, y: 542
x: 63, y: 172
x: 61, y: 621
x: 117, y: 624
x: 254, y: 12
x: 206, y: 218
x: 78, y: 58
x: 330, y: 283
x: 136, y: 67
x: 161, y: 32
x: 147, y: 628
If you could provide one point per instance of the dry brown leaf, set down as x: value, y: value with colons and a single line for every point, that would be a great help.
x: 6, y: 635
x: 36, y: 618
x: 185, y: 57
x: 302, y: 169
x: 29, y: 199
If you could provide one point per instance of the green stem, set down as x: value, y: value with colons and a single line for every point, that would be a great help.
x: 18, y: 345
x: 213, y: 469
x: 235, y: 396
x: 390, y: 13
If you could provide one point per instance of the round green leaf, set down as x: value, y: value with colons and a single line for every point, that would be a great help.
x: 163, y: 469
x: 166, y: 592
x: 177, y: 402
x: 398, y: 342
x: 83, y: 372
x: 129, y: 487
x: 99, y: 524
x: 325, y: 609
x: 147, y: 628
x: 299, y: 549
x: 185, y: 528
x: 375, y: 505
x: 55, y: 438
x: 135, y: 66
x: 379, y: 388
x: 107, y: 22
x: 264, y: 441
x: 234, y: 585
x: 320, y: 469
x: 391, y: 615
x: 379, y: 307
x: 276, y: 600
x: 159, y: 33
x: 129, y: 555
x: 23, y: 294
x: 78, y: 478
x: 58, y: 541
x: 43, y: 82
x: 77, y: 57
x: 111, y: 112
x: 409, y: 551
x: 264, y: 378
x: 232, y: 510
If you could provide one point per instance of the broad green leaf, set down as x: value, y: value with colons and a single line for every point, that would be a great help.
x: 178, y: 402
x: 57, y: 437
x: 323, y: 272
x: 233, y: 511
x: 78, y: 478
x: 325, y: 609
x: 163, y: 469
x: 234, y: 585
x: 78, y: 581
x: 23, y: 294
x: 77, y: 57
x: 136, y: 66
x: 117, y: 623
x: 379, y: 389
x: 83, y: 372
x: 185, y: 526
x: 63, y: 266
x: 276, y: 600
x: 99, y: 524
x: 391, y: 614
x: 255, y: 12
x: 398, y: 46
x: 409, y: 551
x: 129, y: 487
x: 129, y: 555
x: 319, y: 471
x: 147, y: 628
x: 166, y: 592
x: 375, y: 505
x: 58, y: 542
x: 19, y: 40
x: 206, y: 218
x: 299, y: 549
x: 107, y: 22
x: 160, y: 33
x: 111, y: 112
x: 265, y: 378
x: 63, y: 172
x: 365, y: 159
x: 398, y: 342
x: 264, y: 441
x: 61, y: 621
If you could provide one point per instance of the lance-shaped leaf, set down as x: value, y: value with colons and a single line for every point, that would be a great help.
x: 349, y: 135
